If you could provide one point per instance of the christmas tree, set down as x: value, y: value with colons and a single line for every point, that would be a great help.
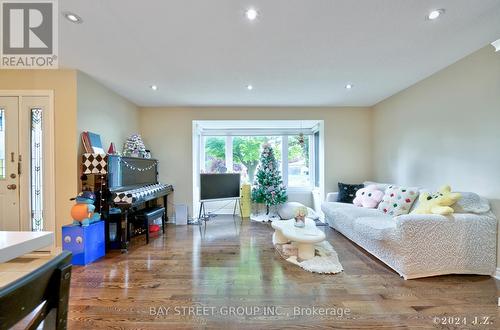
x: 134, y: 146
x: 268, y: 186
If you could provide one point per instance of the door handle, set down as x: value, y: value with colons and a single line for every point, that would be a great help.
x: 11, y: 186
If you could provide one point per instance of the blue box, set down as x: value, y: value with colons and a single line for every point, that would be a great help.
x: 87, y: 243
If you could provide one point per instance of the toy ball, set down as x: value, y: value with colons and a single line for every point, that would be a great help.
x: 79, y: 212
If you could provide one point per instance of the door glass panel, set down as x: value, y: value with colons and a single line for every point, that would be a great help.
x: 36, y: 170
x: 2, y: 144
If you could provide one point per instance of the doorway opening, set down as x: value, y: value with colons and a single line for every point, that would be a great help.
x: 27, y: 174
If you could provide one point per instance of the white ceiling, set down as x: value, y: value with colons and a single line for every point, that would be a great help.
x: 298, y: 52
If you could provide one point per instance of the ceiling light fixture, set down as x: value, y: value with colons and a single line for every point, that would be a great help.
x: 251, y: 14
x: 435, y: 14
x: 349, y: 86
x: 249, y: 87
x: 73, y: 18
x: 154, y: 87
x: 496, y: 44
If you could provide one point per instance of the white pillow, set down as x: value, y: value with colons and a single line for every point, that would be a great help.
x: 471, y: 203
x: 398, y: 200
x: 380, y: 186
x: 288, y: 209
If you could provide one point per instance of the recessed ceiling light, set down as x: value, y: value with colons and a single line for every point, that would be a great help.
x: 435, y: 14
x: 251, y: 14
x: 154, y: 87
x: 73, y: 18
x: 348, y: 86
x: 249, y: 87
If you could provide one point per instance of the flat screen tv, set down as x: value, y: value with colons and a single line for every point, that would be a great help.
x: 219, y: 186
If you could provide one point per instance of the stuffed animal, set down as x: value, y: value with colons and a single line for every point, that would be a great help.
x: 368, y: 197
x: 437, y: 203
x: 83, y: 211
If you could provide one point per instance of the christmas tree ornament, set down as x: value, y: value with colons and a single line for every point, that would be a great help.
x: 112, y: 149
x: 301, y: 139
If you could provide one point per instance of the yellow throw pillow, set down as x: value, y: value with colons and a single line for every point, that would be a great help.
x: 437, y: 203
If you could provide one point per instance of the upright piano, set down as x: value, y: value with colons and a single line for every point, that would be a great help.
x: 132, y: 186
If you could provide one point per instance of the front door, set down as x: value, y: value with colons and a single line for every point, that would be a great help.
x: 23, y: 162
x: 9, y: 165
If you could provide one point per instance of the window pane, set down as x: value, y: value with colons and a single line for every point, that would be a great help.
x: 298, y: 161
x: 246, y: 154
x: 36, y: 170
x: 316, y: 159
x: 215, y: 154
x: 2, y: 144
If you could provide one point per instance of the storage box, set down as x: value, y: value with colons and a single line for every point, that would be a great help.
x: 181, y: 214
x: 86, y: 243
x: 94, y: 164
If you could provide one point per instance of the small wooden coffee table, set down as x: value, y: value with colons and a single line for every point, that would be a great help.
x: 304, y: 238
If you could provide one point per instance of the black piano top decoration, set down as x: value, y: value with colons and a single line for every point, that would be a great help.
x: 131, y: 172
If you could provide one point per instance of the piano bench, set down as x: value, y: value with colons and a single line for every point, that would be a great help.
x: 148, y: 214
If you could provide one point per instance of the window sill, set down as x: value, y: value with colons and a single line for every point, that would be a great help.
x: 300, y: 189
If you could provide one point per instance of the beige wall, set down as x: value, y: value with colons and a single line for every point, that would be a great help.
x: 80, y: 103
x: 63, y: 83
x: 444, y: 129
x: 168, y: 133
x: 104, y: 112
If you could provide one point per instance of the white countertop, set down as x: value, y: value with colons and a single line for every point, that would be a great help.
x: 14, y: 269
x: 14, y: 244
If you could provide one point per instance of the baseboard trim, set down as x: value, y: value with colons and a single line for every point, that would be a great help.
x: 497, y: 274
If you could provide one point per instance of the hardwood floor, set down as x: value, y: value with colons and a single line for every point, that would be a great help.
x: 235, y: 265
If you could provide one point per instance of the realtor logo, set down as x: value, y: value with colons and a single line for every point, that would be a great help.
x: 29, y: 34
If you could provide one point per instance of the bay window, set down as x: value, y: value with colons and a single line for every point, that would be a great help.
x: 231, y: 151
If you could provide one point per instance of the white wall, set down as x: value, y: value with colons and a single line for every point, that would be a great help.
x: 444, y: 129
x: 104, y: 112
x: 168, y: 133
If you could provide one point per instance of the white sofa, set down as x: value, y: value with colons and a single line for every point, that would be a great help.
x: 421, y: 245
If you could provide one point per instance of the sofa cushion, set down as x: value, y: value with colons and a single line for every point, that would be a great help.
x: 471, y: 203
x: 347, y: 192
x: 342, y: 215
x: 398, y: 200
x: 377, y: 227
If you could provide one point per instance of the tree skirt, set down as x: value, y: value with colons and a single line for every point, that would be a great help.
x: 264, y: 217
x: 326, y: 260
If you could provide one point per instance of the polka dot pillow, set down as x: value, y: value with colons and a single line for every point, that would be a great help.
x: 398, y: 200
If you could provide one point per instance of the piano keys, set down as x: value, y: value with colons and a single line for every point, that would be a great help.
x: 140, y: 195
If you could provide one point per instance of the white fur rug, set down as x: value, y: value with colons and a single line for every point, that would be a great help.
x: 326, y: 260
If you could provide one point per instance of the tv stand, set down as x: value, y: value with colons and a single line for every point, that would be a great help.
x: 202, y: 215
